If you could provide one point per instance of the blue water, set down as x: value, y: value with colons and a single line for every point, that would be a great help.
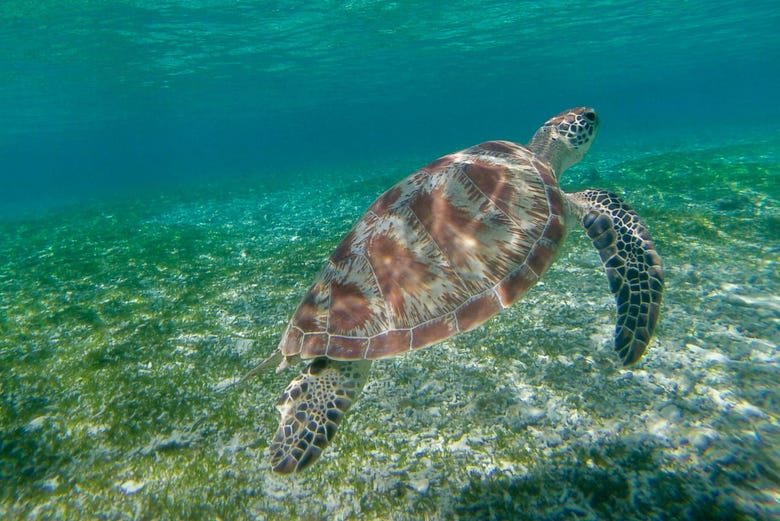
x: 100, y: 98
x: 174, y: 174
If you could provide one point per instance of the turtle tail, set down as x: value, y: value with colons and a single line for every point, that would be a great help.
x: 311, y: 409
x: 633, y: 267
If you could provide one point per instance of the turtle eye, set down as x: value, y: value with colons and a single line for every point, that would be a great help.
x: 590, y: 115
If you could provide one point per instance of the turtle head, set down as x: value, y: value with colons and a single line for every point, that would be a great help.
x: 565, y: 138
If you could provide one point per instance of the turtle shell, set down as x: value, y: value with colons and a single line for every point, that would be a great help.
x: 436, y: 255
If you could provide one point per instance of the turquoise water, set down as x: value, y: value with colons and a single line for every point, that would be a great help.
x: 173, y: 176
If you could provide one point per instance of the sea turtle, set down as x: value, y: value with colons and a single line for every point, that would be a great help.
x: 441, y: 252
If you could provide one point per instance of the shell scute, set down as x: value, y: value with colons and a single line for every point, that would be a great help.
x: 439, y: 164
x: 312, y: 313
x: 434, y: 330
x: 494, y: 182
x: 314, y: 344
x: 515, y: 284
x: 555, y: 200
x: 414, y: 279
x: 545, y: 171
x: 389, y: 344
x: 347, y: 348
x: 556, y: 229
x: 504, y: 147
x: 477, y: 310
x: 386, y: 201
x: 291, y: 341
x: 541, y: 256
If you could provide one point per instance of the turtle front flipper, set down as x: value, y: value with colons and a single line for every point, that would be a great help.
x: 312, y: 407
x: 633, y: 267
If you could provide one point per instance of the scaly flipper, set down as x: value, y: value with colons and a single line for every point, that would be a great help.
x: 312, y: 407
x: 633, y: 267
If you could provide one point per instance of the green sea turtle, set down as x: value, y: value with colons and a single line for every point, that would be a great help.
x: 441, y: 252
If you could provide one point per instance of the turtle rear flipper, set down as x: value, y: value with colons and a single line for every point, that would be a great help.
x: 312, y: 407
x: 633, y: 267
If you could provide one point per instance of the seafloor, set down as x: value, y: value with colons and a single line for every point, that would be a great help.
x: 122, y: 325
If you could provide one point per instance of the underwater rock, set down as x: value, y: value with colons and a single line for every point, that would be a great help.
x: 703, y: 438
x: 131, y: 487
x: 420, y: 484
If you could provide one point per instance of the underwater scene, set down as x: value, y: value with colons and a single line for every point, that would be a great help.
x: 174, y: 175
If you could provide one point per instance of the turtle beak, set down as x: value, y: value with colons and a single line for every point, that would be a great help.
x: 588, y: 121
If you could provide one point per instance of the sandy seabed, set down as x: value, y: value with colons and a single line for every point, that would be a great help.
x: 122, y: 325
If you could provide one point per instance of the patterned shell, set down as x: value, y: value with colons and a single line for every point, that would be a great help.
x: 436, y: 255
